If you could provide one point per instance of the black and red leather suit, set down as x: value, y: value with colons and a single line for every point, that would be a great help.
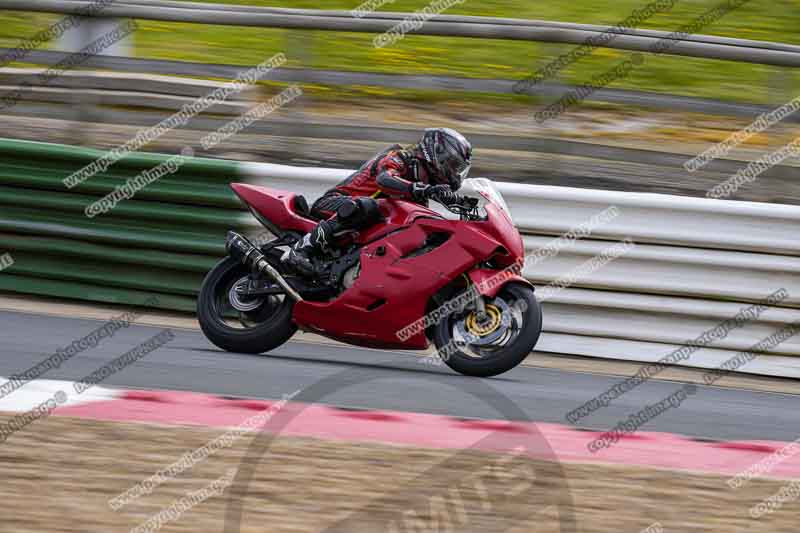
x: 350, y: 205
x: 433, y: 169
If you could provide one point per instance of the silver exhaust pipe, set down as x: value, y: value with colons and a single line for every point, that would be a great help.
x: 245, y: 251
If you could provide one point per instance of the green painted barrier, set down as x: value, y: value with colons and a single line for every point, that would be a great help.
x: 159, y: 243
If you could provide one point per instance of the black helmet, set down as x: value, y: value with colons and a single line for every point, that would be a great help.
x: 449, y: 153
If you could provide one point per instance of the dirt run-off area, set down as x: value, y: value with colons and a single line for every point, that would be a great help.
x: 59, y: 474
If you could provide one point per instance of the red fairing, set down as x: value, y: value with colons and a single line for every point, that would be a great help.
x: 394, y: 286
x: 399, y: 272
x: 489, y: 282
x: 502, y: 228
x: 397, y: 214
x: 275, y: 205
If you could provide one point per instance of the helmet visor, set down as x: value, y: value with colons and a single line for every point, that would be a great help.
x: 456, y: 170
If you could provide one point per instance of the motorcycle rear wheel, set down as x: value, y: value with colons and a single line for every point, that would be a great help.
x: 263, y: 327
x: 521, y: 318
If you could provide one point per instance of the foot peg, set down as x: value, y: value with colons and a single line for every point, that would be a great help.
x: 298, y: 261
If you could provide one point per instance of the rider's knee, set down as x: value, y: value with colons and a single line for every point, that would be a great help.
x: 347, y: 211
x: 358, y: 213
x: 369, y: 209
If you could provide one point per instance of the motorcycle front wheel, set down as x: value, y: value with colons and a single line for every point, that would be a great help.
x: 240, y: 324
x: 496, y: 344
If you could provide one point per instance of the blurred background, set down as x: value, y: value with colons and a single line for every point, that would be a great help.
x: 634, y: 134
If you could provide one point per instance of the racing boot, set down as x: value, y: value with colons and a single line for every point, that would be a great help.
x: 299, y: 256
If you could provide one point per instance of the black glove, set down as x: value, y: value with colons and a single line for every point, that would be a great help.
x: 419, y: 191
x: 442, y: 194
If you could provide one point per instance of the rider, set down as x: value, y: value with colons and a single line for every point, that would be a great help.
x: 431, y: 169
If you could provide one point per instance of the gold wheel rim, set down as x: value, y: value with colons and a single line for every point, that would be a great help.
x: 490, y: 325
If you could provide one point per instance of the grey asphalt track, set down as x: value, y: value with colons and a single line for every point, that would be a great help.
x: 387, y: 380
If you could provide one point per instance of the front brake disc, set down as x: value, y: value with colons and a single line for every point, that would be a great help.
x: 476, y: 339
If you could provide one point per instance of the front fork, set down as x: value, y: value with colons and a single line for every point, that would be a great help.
x: 480, y: 307
x: 488, y: 282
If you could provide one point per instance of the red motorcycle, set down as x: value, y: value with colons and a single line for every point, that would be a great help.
x: 416, y: 278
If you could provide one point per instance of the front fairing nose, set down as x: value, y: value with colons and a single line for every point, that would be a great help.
x: 499, y: 225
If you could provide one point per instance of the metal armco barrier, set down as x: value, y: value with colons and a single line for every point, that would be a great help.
x: 119, y: 81
x: 696, y: 263
x: 119, y: 89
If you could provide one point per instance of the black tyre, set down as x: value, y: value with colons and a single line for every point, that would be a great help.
x: 498, y: 344
x: 239, y: 325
